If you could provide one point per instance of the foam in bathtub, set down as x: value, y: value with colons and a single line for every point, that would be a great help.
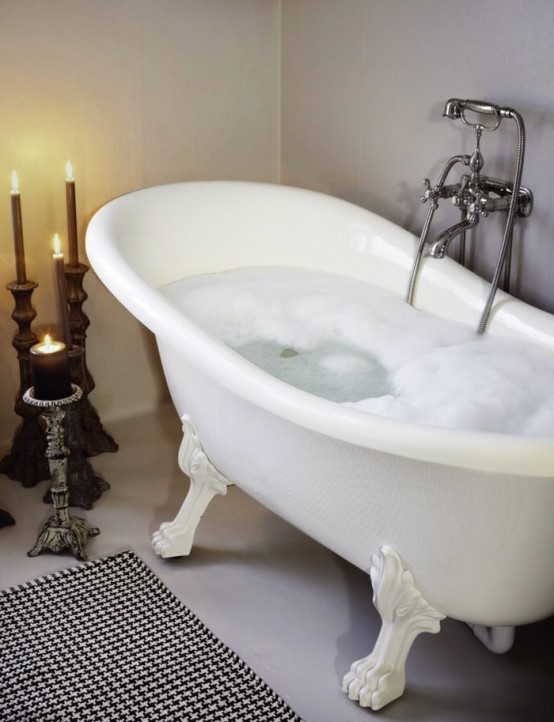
x: 351, y: 342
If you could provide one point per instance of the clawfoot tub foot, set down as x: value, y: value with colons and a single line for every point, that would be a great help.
x: 380, y: 678
x: 175, y: 538
x: 498, y: 639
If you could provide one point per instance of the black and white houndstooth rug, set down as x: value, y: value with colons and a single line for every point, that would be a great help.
x: 107, y: 641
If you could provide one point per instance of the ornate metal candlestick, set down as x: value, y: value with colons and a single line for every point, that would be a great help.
x: 61, y: 531
x: 26, y: 461
x: 95, y: 439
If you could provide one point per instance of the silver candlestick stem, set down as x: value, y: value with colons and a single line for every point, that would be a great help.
x: 61, y: 531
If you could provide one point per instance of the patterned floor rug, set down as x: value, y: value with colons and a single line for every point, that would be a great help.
x: 106, y: 641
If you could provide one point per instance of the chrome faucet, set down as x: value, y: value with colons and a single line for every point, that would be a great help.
x: 468, y: 195
x: 440, y: 246
x: 476, y: 195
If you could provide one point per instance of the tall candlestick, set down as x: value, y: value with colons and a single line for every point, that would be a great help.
x: 71, y: 216
x: 61, y: 292
x: 18, y: 231
x: 50, y: 370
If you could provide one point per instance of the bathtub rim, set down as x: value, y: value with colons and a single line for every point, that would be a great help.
x: 480, y: 451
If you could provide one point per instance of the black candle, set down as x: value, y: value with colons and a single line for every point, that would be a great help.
x: 50, y: 370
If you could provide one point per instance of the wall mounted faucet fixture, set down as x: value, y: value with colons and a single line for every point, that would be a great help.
x: 476, y: 195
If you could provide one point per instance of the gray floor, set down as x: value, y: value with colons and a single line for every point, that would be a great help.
x: 295, y: 612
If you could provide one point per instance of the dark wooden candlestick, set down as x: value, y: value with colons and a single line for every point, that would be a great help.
x: 95, y: 439
x: 6, y: 519
x: 26, y: 462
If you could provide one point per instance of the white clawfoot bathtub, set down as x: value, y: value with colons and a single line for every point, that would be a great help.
x: 448, y: 523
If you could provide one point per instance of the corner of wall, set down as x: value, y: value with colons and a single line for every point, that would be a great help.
x: 279, y: 89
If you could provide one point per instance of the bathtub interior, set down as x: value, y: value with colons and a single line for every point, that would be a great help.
x: 169, y: 232
x: 145, y: 240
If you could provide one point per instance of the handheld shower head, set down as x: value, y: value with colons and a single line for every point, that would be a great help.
x: 456, y: 108
x: 452, y: 109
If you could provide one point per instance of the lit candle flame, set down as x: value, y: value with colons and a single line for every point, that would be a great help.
x: 69, y: 171
x: 15, y: 183
x: 48, y: 345
x: 57, y: 245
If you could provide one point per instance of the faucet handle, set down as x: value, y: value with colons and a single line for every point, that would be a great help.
x: 459, y: 197
x: 478, y: 202
x: 482, y: 203
x: 430, y: 193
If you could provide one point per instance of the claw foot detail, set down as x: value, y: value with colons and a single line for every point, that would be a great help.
x: 170, y: 541
x: 373, y: 684
x: 380, y: 678
x: 175, y: 538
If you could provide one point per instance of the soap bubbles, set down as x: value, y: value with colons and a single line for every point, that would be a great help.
x: 356, y: 344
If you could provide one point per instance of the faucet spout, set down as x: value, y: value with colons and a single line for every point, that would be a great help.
x: 440, y: 246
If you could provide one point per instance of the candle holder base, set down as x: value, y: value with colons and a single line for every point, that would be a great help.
x: 57, y: 535
x: 97, y: 439
x: 26, y: 462
x: 6, y: 519
x: 84, y: 485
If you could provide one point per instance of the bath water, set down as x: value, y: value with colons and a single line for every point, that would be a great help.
x: 354, y: 343
x: 336, y: 371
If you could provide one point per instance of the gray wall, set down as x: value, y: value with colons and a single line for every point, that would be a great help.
x: 363, y: 85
